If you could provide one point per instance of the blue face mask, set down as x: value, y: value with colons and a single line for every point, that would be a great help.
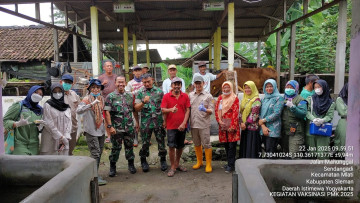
x: 66, y: 86
x: 95, y: 95
x: 289, y: 91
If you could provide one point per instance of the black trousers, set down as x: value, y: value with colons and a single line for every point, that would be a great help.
x: 230, y: 148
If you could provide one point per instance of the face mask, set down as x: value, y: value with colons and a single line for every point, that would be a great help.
x: 289, y: 91
x: 36, y: 98
x: 226, y: 93
x: 318, y: 91
x: 57, y: 95
x: 66, y: 86
x: 95, y: 95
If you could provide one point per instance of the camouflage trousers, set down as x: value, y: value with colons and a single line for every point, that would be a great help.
x: 146, y: 137
x: 117, y: 141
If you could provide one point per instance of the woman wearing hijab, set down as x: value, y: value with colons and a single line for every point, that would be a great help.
x: 295, y: 108
x: 341, y: 107
x: 20, y: 117
x: 320, y: 110
x: 227, y: 115
x: 92, y: 107
x: 57, y: 121
x: 250, y: 144
x: 270, y: 116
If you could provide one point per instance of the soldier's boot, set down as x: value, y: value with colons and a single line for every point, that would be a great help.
x: 131, y: 166
x: 163, y: 164
x: 199, y: 157
x: 208, y: 156
x: 144, y: 164
x: 112, y: 172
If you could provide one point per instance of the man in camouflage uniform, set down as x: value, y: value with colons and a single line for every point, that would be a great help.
x: 148, y: 101
x: 119, y: 108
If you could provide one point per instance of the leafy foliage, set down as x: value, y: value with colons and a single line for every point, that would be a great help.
x: 185, y: 49
x: 316, y: 39
x: 182, y: 72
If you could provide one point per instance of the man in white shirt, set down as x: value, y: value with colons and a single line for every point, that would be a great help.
x: 208, y: 77
x: 166, y: 86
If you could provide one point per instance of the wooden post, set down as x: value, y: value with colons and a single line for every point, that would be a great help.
x: 284, y: 11
x: 126, y: 53
x: 95, y: 40
x: 75, y: 42
x: 231, y: 38
x: 340, y: 48
x: 353, y: 118
x: 278, y: 58
x: 66, y: 17
x: 134, y: 49
x: 215, y: 49
x: 258, y: 64
x: 84, y: 29
x: 218, y: 47
x: 305, y: 6
x: 2, y: 147
x: 37, y: 11
x: 210, y: 54
x: 147, y: 54
x: 55, y: 36
x: 292, y: 51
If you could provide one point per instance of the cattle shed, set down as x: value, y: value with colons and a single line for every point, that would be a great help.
x: 26, y: 51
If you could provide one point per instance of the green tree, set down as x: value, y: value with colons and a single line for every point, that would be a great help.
x: 185, y: 49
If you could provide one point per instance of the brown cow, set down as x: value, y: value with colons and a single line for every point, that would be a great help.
x: 258, y: 75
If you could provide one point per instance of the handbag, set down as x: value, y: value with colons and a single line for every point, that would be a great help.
x: 9, y: 137
x: 227, y: 122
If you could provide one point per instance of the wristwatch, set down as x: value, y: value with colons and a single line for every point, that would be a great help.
x: 109, y: 126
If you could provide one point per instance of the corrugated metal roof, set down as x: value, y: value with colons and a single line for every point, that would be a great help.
x: 177, y: 21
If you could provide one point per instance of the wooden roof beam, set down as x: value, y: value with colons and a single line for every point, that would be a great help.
x: 106, y: 13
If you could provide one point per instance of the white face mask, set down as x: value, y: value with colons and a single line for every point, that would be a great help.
x: 36, y: 98
x: 57, y: 95
x: 226, y: 93
x: 318, y: 91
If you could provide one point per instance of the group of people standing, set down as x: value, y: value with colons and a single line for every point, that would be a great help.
x: 122, y: 110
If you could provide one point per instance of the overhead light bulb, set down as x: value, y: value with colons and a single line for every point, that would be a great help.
x: 118, y: 29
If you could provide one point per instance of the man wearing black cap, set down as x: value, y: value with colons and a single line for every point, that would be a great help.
x: 208, y: 77
x: 176, y: 109
x: 73, y: 100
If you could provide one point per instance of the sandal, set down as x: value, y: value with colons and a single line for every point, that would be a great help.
x: 181, y: 168
x: 171, y: 173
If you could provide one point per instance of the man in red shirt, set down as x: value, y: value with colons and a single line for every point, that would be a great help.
x: 176, y: 109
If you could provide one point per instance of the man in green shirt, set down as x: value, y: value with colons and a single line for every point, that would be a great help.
x: 308, y: 90
x: 147, y: 101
